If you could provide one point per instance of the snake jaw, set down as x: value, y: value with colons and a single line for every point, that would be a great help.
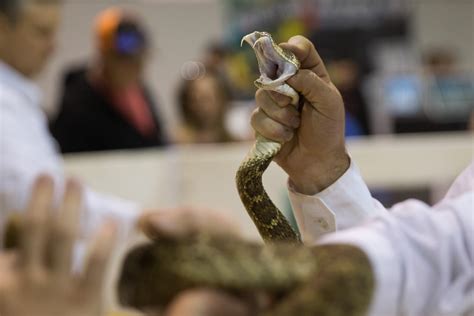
x: 275, y: 65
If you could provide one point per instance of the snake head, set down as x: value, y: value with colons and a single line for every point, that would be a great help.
x: 275, y: 64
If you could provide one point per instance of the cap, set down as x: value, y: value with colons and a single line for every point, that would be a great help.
x: 120, y: 32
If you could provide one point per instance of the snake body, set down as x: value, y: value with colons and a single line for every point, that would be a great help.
x: 276, y: 66
x: 324, y: 280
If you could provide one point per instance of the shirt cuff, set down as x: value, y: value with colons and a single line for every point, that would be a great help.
x: 101, y: 207
x: 344, y: 204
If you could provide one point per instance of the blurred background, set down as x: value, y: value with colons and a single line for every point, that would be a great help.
x: 405, y: 69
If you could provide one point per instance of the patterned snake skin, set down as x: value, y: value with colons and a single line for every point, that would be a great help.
x: 276, y: 66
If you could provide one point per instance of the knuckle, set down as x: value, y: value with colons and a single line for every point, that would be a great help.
x: 255, y: 118
x: 278, y: 132
x: 260, y: 95
x: 280, y: 99
x: 284, y: 116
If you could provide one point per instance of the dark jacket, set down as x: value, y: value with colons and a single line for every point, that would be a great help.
x: 87, y: 121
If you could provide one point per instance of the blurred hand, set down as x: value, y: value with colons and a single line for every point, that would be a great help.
x: 37, y: 279
x: 313, y: 154
x: 206, y: 302
x: 185, y: 221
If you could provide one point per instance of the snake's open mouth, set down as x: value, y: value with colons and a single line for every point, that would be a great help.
x: 274, y: 65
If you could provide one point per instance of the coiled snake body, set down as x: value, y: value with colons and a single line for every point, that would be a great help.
x: 325, y: 280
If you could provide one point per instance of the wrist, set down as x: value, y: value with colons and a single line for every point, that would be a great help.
x: 320, y: 175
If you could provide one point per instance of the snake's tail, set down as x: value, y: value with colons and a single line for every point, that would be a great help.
x: 269, y: 220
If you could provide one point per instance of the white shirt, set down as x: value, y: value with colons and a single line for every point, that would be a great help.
x: 422, y: 256
x: 27, y: 150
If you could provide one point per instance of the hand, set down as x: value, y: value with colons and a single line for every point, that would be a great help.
x: 37, y: 279
x: 206, y: 302
x: 185, y: 221
x: 313, y: 154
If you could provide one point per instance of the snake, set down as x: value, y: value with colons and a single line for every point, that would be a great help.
x: 276, y: 66
x: 328, y: 280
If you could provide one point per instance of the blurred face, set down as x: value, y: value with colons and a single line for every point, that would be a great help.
x: 28, y: 42
x: 205, y: 100
x: 122, y: 71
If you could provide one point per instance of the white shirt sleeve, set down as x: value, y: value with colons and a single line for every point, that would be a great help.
x: 344, y: 204
x: 422, y: 256
x: 28, y: 150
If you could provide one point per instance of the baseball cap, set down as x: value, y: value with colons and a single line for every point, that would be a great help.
x: 121, y: 32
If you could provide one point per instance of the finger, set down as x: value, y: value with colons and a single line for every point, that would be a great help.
x: 65, y: 230
x: 280, y: 99
x: 8, y: 264
x: 165, y: 223
x: 182, y: 222
x: 287, y: 116
x: 36, y: 221
x: 269, y: 128
x: 307, y: 54
x: 312, y: 87
x: 102, y: 247
x: 205, y: 302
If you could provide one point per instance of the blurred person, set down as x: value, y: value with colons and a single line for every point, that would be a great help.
x: 203, y: 104
x: 439, y: 63
x: 215, y: 58
x: 36, y: 278
x: 443, y: 96
x: 106, y: 105
x: 346, y: 77
x: 421, y: 256
x: 27, y: 39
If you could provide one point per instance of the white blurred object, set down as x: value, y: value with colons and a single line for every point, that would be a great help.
x: 238, y: 118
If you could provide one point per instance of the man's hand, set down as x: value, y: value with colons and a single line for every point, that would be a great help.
x: 37, y: 279
x: 313, y: 154
x: 185, y: 221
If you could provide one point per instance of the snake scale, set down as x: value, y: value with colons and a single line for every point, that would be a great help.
x: 332, y: 280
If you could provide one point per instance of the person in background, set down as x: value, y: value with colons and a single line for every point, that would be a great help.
x: 106, y: 106
x: 346, y: 77
x: 203, y: 104
x: 27, y: 39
